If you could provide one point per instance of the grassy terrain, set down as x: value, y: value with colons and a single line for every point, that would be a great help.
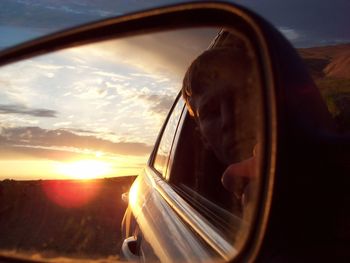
x: 330, y: 68
x: 56, y: 258
x: 335, y: 92
x: 35, y: 221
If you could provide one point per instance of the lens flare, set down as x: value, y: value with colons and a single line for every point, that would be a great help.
x: 71, y: 193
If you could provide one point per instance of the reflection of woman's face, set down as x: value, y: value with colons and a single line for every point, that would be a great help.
x: 224, y: 115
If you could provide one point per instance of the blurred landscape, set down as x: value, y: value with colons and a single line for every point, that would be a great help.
x: 330, y: 68
x: 62, y: 218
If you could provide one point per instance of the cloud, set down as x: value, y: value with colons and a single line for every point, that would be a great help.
x: 63, y: 123
x: 37, y: 137
x: 317, y: 19
x: 112, y: 75
x: 290, y: 33
x: 25, y: 153
x: 20, y: 109
x: 163, y: 55
x: 158, y: 103
x: 22, y: 20
x: 104, y: 86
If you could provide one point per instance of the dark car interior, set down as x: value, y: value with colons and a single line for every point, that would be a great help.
x: 196, y: 176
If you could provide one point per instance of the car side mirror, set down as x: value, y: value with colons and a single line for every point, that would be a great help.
x: 277, y: 138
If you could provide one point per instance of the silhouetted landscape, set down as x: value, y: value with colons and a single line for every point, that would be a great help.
x: 330, y: 68
x: 63, y: 217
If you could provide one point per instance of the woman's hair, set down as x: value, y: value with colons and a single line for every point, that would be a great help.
x: 211, y: 66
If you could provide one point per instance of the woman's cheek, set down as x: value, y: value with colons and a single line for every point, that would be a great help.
x: 210, y: 132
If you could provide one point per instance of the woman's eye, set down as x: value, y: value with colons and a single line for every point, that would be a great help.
x: 209, y: 113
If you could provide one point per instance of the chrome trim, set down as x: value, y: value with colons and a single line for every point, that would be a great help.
x: 195, y: 220
x: 175, y: 138
x: 170, y: 237
x: 126, y: 249
x: 153, y: 154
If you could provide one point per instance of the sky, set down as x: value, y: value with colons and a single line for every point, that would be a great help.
x: 95, y: 110
x: 305, y: 23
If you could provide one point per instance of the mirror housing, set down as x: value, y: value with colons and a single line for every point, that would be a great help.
x: 297, y: 123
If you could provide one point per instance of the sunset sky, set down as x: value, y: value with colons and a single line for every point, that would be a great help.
x: 101, y: 106
x: 92, y: 111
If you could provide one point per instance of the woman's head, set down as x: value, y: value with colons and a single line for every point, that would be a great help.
x: 220, y: 89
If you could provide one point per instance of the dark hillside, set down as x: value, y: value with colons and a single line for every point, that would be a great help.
x: 330, y: 68
x: 328, y: 61
x: 52, y: 217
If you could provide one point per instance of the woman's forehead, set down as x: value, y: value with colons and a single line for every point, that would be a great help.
x: 211, y: 96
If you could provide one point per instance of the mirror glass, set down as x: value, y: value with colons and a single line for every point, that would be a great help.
x: 77, y: 126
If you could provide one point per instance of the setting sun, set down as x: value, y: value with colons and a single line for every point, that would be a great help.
x: 85, y: 169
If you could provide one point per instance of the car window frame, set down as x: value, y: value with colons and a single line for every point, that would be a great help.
x: 152, y: 159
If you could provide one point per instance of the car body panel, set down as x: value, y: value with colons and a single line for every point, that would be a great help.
x: 161, y: 226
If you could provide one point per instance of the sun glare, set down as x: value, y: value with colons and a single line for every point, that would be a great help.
x: 85, y: 169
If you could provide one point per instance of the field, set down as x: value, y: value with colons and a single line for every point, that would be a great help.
x: 60, y: 219
x: 329, y: 66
